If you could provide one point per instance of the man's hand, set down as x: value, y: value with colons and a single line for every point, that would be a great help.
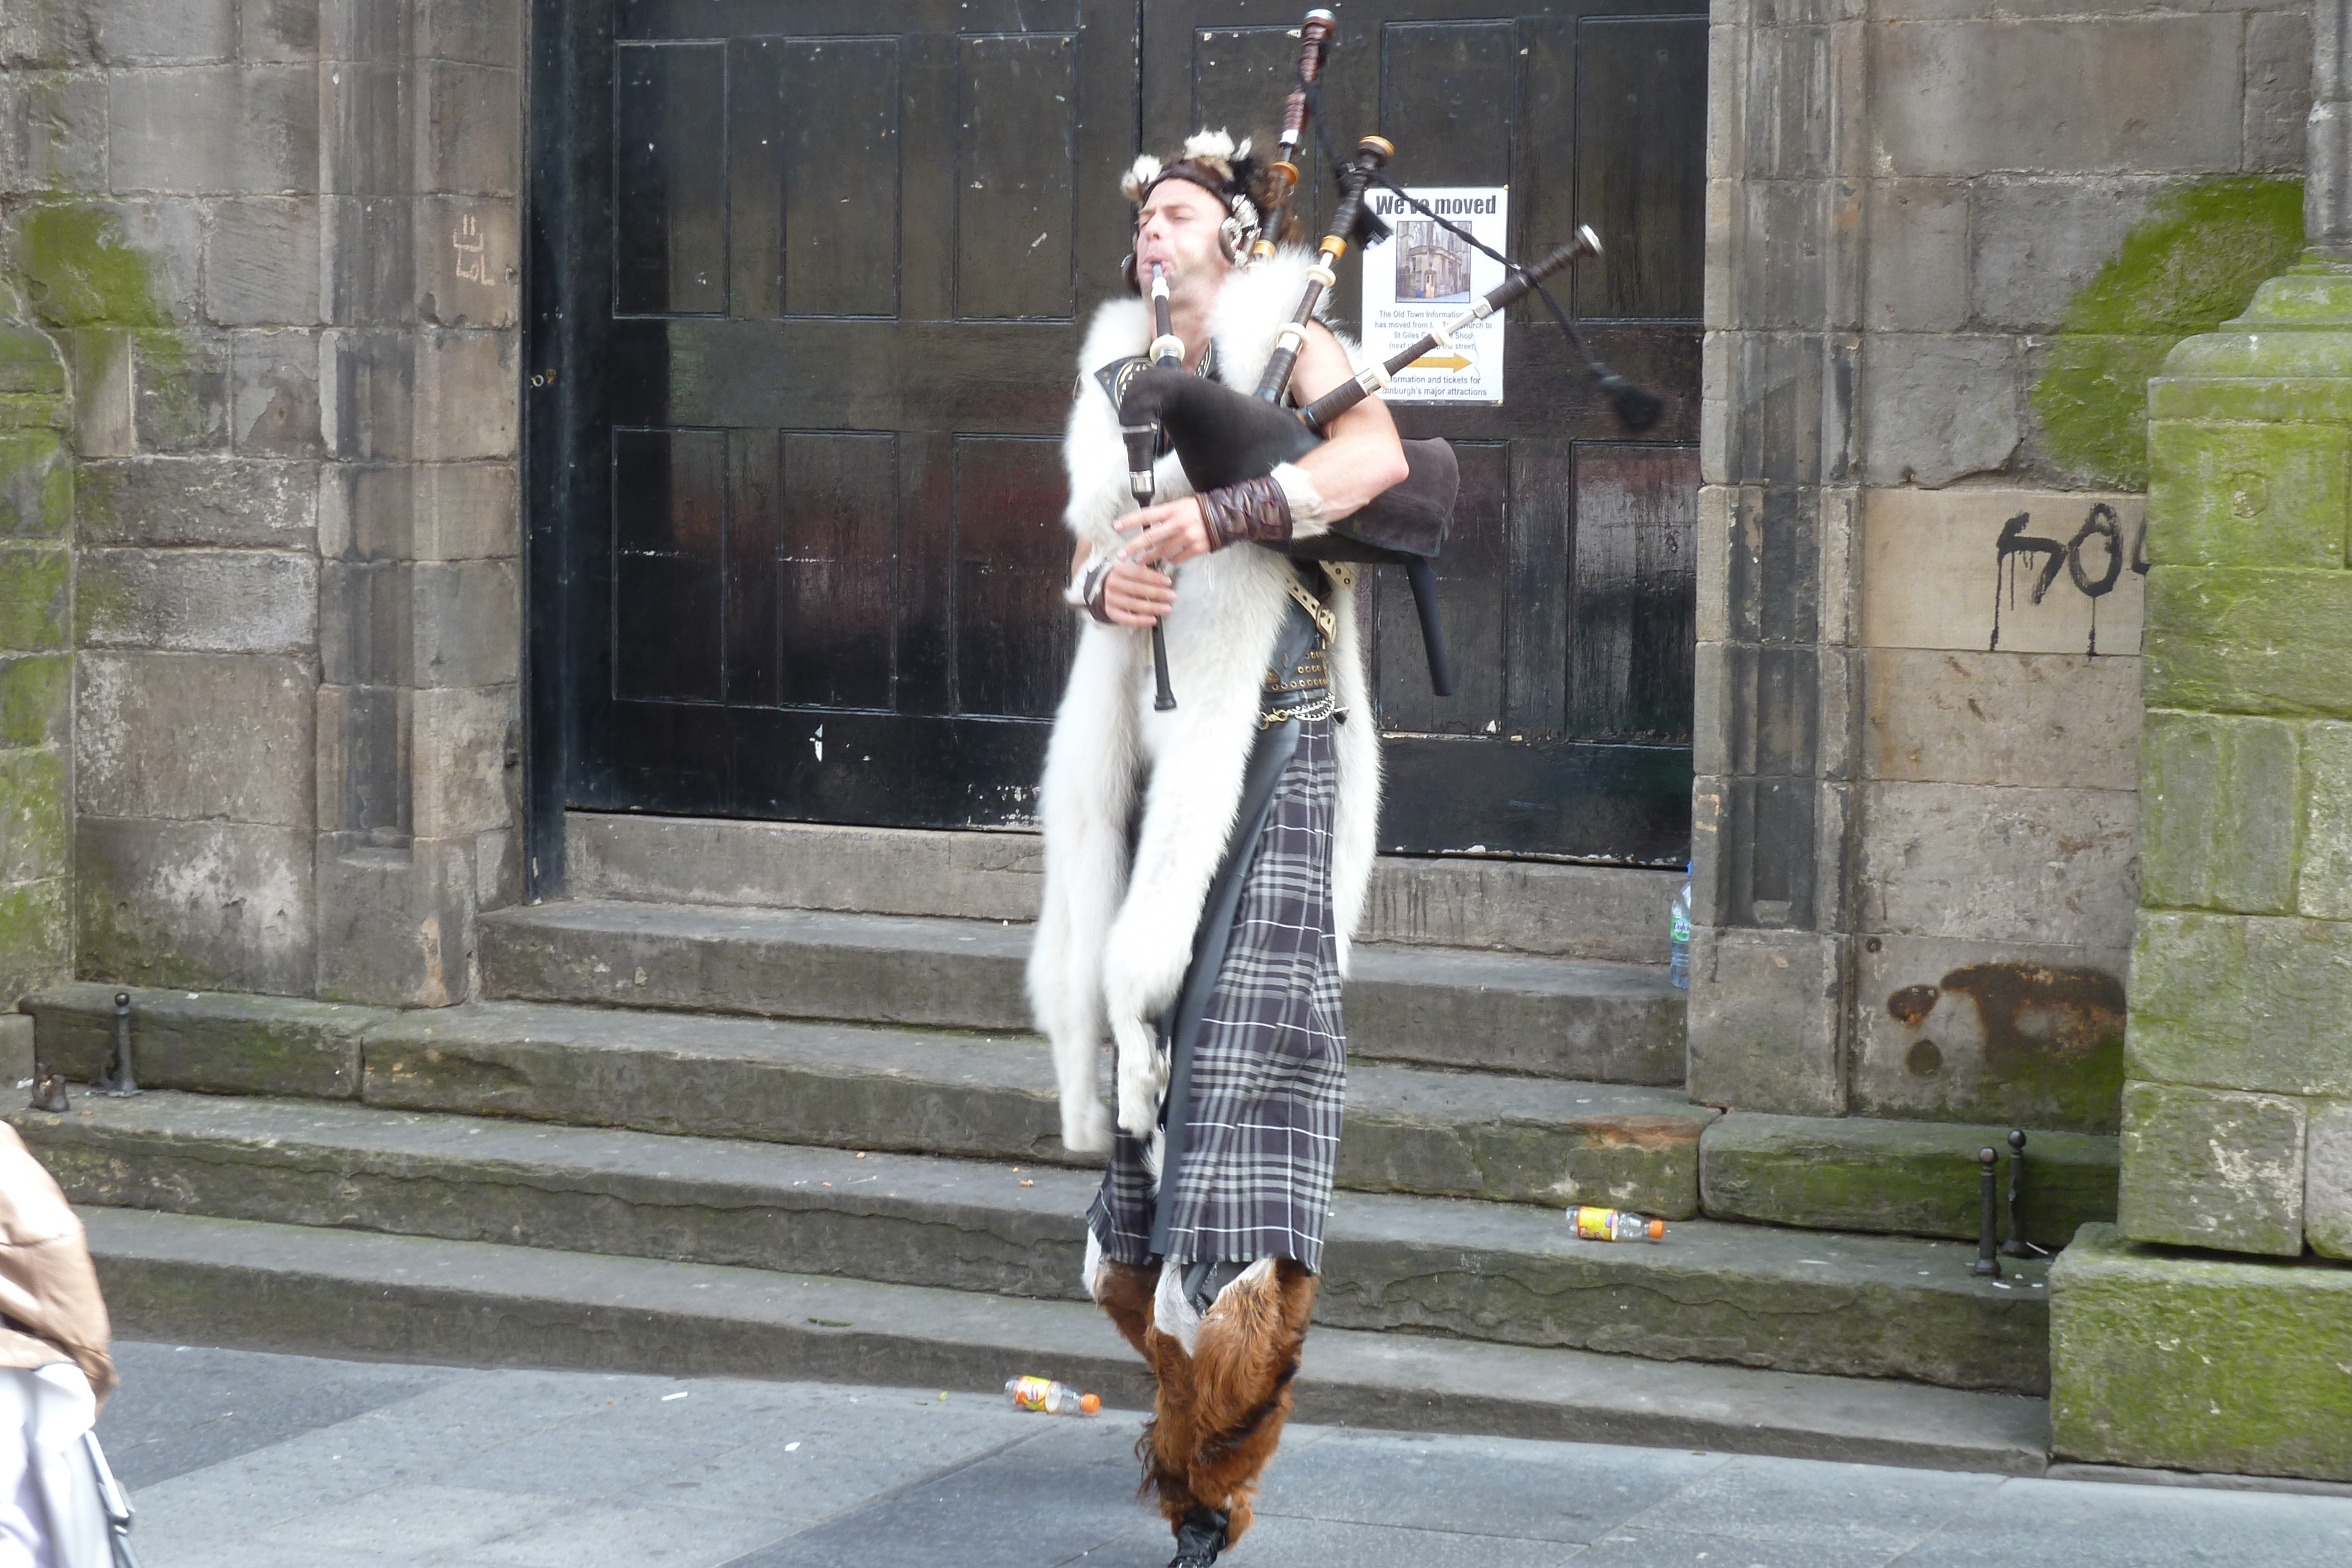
x: 1171, y: 533
x: 1136, y: 595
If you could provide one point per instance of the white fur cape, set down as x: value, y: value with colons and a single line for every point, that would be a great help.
x: 1114, y: 939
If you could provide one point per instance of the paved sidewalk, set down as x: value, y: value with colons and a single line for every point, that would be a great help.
x: 241, y: 1460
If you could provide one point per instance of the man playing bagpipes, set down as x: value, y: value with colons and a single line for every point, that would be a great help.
x: 1206, y: 862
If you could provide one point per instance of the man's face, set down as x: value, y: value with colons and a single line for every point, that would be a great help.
x: 1178, y: 228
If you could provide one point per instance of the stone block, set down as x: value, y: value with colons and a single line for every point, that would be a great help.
x: 1909, y: 1178
x: 469, y: 261
x: 468, y: 395
x: 214, y: 1043
x: 32, y: 837
x: 274, y: 394
x: 262, y: 262
x: 473, y: 128
x: 1973, y: 96
x: 2327, y: 1178
x: 2036, y: 243
x: 483, y: 32
x: 1939, y: 406
x: 16, y: 1047
x: 179, y: 393
x: 2249, y: 495
x: 199, y: 501
x: 2250, y: 640
x: 201, y: 906
x: 2175, y: 1362
x: 395, y: 926
x: 104, y: 399
x: 467, y: 771
x: 2278, y: 88
x: 1917, y: 276
x: 466, y: 511
x: 2221, y: 800
x: 36, y: 588
x: 2239, y: 1002
x: 1763, y: 1021
x: 196, y: 736
x: 280, y: 30
x: 2046, y: 720
x: 2324, y: 885
x: 52, y: 132
x: 1965, y: 860
x: 2006, y: 1033
x: 367, y: 623
x: 498, y: 870
x: 469, y: 630
x: 1936, y: 572
x: 2212, y: 1168
x: 35, y: 698
x: 32, y: 378
x: 37, y: 486
x: 36, y: 936
x: 149, y: 31
x: 225, y: 129
x: 199, y: 600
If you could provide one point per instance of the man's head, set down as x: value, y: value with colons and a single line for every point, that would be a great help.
x: 1197, y: 215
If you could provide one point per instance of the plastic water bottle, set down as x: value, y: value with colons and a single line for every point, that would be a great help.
x: 1678, y: 964
x: 1614, y: 1225
x: 1042, y: 1394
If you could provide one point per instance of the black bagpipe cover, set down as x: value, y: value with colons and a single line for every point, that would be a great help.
x: 1222, y: 437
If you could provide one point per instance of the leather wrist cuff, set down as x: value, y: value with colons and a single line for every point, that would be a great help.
x: 1093, y: 583
x: 1254, y: 511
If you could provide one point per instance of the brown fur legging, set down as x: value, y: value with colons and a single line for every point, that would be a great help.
x: 1217, y: 1413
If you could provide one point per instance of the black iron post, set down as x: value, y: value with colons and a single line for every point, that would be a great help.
x: 2017, y: 1246
x: 1987, y: 1264
x: 121, y: 1076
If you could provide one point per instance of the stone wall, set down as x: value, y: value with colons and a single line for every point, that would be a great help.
x: 278, y: 246
x: 1948, y: 242
x: 37, y: 498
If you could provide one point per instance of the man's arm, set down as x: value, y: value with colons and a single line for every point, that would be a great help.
x: 1361, y: 456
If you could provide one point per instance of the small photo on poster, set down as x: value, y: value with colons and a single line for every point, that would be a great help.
x: 1422, y: 278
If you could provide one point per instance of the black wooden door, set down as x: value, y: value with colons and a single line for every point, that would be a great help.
x: 806, y: 281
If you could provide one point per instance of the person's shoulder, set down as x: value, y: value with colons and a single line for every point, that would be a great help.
x: 1121, y: 327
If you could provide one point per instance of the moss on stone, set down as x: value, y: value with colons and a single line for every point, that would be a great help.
x: 33, y: 692
x: 2193, y: 263
x: 80, y: 271
x: 33, y: 835
x: 36, y: 946
x: 32, y: 597
x: 2187, y: 1361
x: 36, y: 486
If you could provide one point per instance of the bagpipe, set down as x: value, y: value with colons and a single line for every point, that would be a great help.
x: 1221, y: 436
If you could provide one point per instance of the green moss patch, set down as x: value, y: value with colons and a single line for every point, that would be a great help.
x: 2192, y: 264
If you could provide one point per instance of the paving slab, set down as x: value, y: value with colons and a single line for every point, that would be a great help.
x: 1504, y: 1272
x: 1616, y: 1023
x: 239, y: 1283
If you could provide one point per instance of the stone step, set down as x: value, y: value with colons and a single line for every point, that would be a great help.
x: 1911, y: 1178
x: 1507, y: 1012
x: 1610, y: 913
x: 1531, y: 1140
x: 1742, y: 1295
x: 198, y: 1281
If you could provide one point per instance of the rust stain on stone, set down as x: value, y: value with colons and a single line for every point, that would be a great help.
x: 1639, y: 1132
x: 2030, y: 1013
x: 1910, y: 1006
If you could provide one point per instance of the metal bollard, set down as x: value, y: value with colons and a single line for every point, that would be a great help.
x: 120, y: 1078
x: 1987, y: 1264
x: 2017, y: 1246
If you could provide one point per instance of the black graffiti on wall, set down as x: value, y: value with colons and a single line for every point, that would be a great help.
x: 2094, y: 560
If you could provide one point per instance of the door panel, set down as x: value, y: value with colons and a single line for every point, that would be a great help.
x: 809, y: 276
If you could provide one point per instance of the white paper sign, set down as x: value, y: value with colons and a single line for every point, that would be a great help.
x: 1422, y: 278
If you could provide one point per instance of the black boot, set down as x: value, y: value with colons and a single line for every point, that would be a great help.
x: 1199, y: 1539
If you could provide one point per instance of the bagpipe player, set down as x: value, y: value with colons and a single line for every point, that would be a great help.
x: 1205, y: 865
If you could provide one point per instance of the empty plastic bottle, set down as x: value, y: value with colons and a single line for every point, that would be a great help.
x: 1614, y: 1225
x: 1053, y: 1398
x: 1678, y: 964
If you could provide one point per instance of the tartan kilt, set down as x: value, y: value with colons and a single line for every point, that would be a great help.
x: 1269, y: 1066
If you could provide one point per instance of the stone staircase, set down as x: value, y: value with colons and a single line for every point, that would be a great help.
x: 682, y: 1129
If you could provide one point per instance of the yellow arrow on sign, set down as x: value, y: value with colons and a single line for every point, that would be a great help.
x: 1455, y: 359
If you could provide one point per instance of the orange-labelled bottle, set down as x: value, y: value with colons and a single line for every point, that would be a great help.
x: 1614, y: 1225
x: 1053, y: 1398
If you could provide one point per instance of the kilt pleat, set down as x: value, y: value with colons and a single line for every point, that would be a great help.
x: 1269, y: 1064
